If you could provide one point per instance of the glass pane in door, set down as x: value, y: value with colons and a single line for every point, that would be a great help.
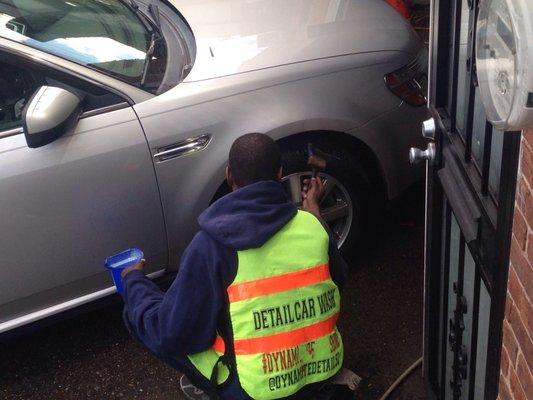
x: 496, y: 153
x: 450, y: 53
x: 462, y: 83
x: 468, y: 293
x: 482, y: 341
x: 455, y: 244
x: 478, y: 133
x: 443, y: 311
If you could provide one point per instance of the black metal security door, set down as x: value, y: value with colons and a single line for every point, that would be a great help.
x: 471, y: 182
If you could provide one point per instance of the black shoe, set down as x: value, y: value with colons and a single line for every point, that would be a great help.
x: 190, y: 391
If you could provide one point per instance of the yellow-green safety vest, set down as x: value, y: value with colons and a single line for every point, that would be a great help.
x: 283, y: 308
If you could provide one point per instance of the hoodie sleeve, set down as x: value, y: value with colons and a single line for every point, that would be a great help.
x: 184, y: 319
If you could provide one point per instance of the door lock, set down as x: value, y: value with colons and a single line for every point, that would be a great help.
x: 429, y: 129
x: 416, y: 155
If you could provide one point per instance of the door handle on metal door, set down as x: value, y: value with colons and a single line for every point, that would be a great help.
x: 416, y: 155
x: 429, y: 131
x: 183, y: 148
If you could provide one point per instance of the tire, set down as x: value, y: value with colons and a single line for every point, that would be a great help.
x: 348, y: 166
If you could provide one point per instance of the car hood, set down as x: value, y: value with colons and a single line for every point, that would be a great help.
x: 235, y: 36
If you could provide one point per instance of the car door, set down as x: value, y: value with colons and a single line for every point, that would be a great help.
x: 66, y: 206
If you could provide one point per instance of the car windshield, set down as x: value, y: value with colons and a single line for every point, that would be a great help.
x: 108, y: 35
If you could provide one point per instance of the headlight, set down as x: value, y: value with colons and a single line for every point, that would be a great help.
x: 410, y: 82
x: 504, y: 59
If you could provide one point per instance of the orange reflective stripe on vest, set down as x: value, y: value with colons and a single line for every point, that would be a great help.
x: 219, y: 346
x: 281, y: 340
x: 278, y: 283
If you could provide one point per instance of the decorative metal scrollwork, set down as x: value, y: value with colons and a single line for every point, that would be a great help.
x: 455, y: 339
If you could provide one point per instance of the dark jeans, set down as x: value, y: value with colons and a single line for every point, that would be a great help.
x: 180, y: 364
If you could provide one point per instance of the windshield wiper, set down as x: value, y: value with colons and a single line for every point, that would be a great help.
x: 155, y: 35
x: 153, y: 27
x: 145, y: 19
x: 149, y: 56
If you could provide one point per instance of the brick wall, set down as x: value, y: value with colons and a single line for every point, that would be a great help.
x: 516, y: 379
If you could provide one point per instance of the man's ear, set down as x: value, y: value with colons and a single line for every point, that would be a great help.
x: 229, y: 178
x: 280, y: 173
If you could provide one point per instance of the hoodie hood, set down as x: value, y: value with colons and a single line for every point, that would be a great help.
x: 248, y: 217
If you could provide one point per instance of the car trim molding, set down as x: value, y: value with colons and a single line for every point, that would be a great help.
x: 180, y: 149
x: 103, y: 110
x: 67, y: 305
x: 11, y: 132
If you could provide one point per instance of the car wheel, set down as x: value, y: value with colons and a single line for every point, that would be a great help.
x: 346, y: 206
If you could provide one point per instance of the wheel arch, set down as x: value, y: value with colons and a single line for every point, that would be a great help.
x: 354, y: 145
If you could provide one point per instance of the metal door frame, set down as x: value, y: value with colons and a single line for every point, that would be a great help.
x: 496, y: 214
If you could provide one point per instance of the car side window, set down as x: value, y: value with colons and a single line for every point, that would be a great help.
x: 16, y: 88
x: 18, y: 82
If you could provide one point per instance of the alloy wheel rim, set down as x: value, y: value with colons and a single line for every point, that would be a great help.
x: 336, y: 207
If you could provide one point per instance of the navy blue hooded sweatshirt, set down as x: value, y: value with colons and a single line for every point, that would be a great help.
x: 185, y: 319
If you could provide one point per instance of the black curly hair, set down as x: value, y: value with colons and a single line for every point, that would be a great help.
x: 254, y: 157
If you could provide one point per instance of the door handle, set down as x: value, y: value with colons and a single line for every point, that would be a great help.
x: 429, y: 131
x: 416, y: 155
x: 183, y: 148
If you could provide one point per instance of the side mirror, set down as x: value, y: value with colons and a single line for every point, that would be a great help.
x: 50, y: 112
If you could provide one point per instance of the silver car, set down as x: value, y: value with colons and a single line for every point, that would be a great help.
x: 116, y: 118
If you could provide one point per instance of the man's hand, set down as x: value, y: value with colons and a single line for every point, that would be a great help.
x: 312, y: 194
x: 139, y: 266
